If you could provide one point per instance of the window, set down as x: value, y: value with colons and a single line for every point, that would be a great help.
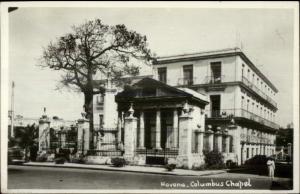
x: 247, y: 152
x: 188, y: 75
x: 101, y: 120
x: 162, y: 74
x: 243, y: 102
x: 215, y: 72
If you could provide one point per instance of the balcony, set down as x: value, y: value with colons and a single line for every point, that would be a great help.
x: 214, y: 80
x: 255, y: 139
x: 258, y: 91
x: 229, y: 113
x: 186, y: 81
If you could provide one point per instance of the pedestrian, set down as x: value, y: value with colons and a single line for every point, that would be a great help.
x: 271, y: 167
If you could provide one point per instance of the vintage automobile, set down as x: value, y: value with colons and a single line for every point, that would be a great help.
x: 15, y: 155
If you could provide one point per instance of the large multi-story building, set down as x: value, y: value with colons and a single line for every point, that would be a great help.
x: 238, y: 92
x: 239, y: 96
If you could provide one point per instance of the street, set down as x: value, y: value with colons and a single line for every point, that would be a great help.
x: 28, y: 177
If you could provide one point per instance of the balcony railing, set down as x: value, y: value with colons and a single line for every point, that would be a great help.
x: 228, y: 113
x: 258, y: 91
x: 186, y: 81
x: 214, y: 79
x: 255, y: 139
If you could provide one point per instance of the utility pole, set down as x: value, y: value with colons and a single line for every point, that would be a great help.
x: 12, y: 134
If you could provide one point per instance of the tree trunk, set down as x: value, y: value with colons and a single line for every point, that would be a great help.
x: 88, y: 107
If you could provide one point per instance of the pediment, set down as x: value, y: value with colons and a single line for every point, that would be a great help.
x: 148, y: 87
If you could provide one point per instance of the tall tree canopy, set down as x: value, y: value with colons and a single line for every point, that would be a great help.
x: 92, y: 49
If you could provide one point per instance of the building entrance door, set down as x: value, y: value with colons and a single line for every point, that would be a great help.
x: 215, y: 106
x: 150, y: 124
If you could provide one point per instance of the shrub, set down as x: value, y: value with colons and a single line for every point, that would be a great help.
x: 170, y: 167
x: 63, y: 153
x: 60, y: 160
x: 217, y: 166
x: 42, y: 157
x: 118, y: 162
x: 201, y: 167
x: 213, y: 158
x: 230, y: 164
x: 78, y: 159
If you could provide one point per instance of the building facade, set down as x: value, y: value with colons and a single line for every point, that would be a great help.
x: 238, y: 93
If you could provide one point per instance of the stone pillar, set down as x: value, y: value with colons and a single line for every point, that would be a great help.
x: 63, y: 139
x: 158, y: 130
x: 110, y: 113
x: 83, y: 135
x: 185, y: 142
x: 175, y: 129
x: 200, y: 143
x: 119, y: 138
x: 254, y: 150
x: 219, y: 141
x: 227, y: 143
x: 236, y: 138
x: 210, y: 140
x: 266, y: 150
x: 44, y: 133
x: 142, y: 131
x: 130, y: 136
x: 244, y: 157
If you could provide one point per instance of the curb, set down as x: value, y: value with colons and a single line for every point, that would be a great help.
x: 123, y: 170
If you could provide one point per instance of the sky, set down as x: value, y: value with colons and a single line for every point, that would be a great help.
x: 265, y: 35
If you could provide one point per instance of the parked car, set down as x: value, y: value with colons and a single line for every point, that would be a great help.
x: 258, y: 164
x: 15, y: 155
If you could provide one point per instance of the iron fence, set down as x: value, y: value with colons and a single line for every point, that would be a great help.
x: 229, y: 113
x: 258, y: 91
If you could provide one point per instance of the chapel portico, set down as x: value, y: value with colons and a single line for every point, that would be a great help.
x: 160, y: 122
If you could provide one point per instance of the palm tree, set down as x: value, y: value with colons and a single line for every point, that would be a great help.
x: 27, y: 138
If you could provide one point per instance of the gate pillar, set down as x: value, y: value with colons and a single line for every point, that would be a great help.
x: 83, y: 136
x: 44, y: 133
x: 184, y: 158
x: 130, y: 135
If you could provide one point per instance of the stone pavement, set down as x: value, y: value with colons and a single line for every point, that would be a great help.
x: 137, y: 169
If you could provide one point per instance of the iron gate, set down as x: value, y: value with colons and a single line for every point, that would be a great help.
x: 157, y: 156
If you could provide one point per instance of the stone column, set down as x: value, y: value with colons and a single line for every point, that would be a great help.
x: 119, y: 131
x: 158, y: 130
x: 254, y: 151
x: 130, y: 136
x: 244, y: 157
x: 44, y: 133
x: 200, y: 142
x: 236, y: 138
x: 219, y: 141
x: 227, y: 143
x: 142, y: 131
x: 265, y: 150
x: 175, y: 129
x: 210, y: 140
x: 63, y: 139
x: 185, y: 142
x: 83, y: 135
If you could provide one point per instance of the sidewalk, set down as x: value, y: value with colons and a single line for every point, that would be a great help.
x: 137, y: 169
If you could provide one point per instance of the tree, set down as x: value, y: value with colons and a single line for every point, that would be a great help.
x: 27, y: 137
x: 94, y: 49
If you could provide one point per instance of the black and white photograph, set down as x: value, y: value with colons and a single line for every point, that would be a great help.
x: 149, y: 97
